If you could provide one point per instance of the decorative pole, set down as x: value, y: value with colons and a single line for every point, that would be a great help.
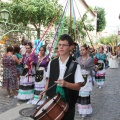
x: 70, y: 17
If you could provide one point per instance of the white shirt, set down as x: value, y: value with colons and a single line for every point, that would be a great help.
x: 77, y: 77
x: 22, y: 49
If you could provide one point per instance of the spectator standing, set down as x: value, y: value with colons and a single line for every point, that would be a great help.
x: 10, y: 72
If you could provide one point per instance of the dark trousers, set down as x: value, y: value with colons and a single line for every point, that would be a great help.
x: 69, y: 114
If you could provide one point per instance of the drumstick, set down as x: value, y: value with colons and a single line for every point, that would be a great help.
x: 51, y: 87
x: 55, y: 84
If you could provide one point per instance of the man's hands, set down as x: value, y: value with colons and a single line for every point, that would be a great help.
x: 61, y: 83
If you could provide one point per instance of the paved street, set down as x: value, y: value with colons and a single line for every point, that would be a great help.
x: 105, y: 101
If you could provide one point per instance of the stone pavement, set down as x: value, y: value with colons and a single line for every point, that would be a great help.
x: 105, y: 101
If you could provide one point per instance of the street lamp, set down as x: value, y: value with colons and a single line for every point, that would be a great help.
x: 5, y: 26
x: 4, y: 14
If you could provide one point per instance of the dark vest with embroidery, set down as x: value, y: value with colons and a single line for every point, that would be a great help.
x: 71, y: 95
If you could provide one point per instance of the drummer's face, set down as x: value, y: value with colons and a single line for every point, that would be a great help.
x: 64, y: 47
x: 83, y: 51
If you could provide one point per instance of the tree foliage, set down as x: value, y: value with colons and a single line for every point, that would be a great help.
x: 34, y: 12
x: 101, y: 20
x: 110, y: 40
x: 80, y: 27
x: 41, y: 12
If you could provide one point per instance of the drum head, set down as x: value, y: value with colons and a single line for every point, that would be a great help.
x: 46, y: 105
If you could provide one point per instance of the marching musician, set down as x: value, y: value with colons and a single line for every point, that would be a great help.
x: 58, y: 69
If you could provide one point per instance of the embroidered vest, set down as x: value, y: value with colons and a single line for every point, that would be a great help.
x: 71, y: 95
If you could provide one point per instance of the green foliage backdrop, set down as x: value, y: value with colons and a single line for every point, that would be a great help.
x: 34, y: 12
x: 101, y: 20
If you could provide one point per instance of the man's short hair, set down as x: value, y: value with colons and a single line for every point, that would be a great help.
x: 67, y: 38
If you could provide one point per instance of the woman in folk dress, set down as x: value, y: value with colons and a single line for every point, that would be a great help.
x: 40, y: 79
x: 114, y: 63
x: 87, y: 67
x: 100, y: 67
x: 27, y: 79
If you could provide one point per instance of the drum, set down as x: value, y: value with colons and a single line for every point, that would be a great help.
x: 52, y: 109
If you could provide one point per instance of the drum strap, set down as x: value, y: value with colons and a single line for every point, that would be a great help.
x: 59, y: 89
x: 70, y: 68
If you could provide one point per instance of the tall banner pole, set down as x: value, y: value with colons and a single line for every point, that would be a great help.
x: 71, y: 18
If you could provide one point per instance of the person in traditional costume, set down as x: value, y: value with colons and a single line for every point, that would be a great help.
x: 87, y: 66
x: 27, y: 79
x: 100, y: 67
x: 22, y: 47
x: 113, y: 61
x: 58, y: 69
x: 55, y: 54
x: 40, y: 79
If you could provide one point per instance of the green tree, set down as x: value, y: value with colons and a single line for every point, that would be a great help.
x: 101, y: 20
x: 80, y: 27
x: 34, y: 12
x: 110, y: 40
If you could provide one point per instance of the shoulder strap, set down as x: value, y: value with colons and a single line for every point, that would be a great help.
x: 70, y: 68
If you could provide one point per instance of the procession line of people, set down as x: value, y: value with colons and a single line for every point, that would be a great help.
x: 39, y: 73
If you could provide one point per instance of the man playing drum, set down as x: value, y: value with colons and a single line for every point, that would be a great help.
x: 58, y: 69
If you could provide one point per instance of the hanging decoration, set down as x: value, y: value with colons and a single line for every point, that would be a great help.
x: 84, y: 26
x: 58, y: 28
x: 3, y: 40
x: 47, y: 31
